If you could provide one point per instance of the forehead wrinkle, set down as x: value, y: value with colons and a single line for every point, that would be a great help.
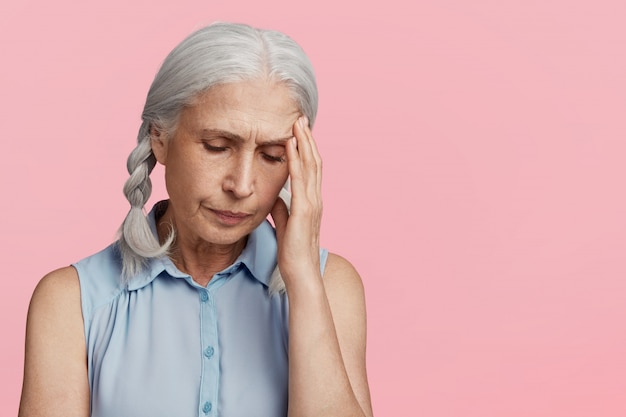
x: 263, y: 126
x: 236, y: 137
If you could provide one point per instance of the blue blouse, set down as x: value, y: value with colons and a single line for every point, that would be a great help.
x: 163, y: 345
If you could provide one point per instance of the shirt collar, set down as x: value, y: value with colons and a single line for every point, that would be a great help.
x: 258, y: 256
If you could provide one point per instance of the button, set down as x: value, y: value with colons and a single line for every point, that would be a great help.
x: 204, y: 296
x: 206, y: 409
x: 208, y: 352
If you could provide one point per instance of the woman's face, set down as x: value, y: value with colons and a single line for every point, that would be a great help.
x: 226, y: 162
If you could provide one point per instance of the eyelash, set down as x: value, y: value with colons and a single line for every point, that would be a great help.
x: 274, y: 158
x: 214, y: 148
x: 270, y: 158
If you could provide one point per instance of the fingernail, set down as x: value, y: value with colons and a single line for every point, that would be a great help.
x: 301, y: 122
x: 305, y: 121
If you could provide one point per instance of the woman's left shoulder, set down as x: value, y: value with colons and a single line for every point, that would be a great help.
x: 341, y: 278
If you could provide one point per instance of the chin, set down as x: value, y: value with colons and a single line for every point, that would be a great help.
x: 228, y: 235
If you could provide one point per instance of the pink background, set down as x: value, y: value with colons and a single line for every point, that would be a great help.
x: 475, y: 173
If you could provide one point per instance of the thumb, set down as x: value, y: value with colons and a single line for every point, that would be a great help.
x: 280, y: 215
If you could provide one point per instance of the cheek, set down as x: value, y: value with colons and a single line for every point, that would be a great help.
x: 190, y: 175
x: 270, y: 185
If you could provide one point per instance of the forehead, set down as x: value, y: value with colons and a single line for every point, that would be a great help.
x: 259, y: 106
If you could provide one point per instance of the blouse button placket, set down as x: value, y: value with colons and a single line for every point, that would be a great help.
x: 210, y: 366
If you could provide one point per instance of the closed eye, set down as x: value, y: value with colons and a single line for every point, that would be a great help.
x: 211, y: 148
x: 273, y: 152
x: 273, y: 158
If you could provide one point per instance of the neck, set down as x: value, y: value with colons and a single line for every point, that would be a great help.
x: 202, y: 260
x: 196, y: 257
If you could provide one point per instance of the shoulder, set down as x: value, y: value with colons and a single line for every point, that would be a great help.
x: 55, y: 303
x: 56, y: 291
x: 345, y: 293
x: 342, y: 277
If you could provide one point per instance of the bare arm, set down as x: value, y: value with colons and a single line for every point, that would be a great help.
x: 346, y: 297
x: 327, y: 332
x: 55, y: 368
x: 326, y: 316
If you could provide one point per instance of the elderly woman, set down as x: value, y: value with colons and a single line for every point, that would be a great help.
x: 202, y: 307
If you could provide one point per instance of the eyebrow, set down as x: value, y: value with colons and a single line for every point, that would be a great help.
x: 233, y: 136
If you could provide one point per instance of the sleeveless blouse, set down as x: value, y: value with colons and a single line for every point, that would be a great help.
x: 162, y: 345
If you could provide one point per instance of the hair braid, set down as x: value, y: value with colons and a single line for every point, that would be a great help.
x: 137, y: 242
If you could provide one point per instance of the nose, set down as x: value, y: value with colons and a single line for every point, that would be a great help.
x: 240, y: 179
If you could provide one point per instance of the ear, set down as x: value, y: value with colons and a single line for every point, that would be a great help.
x: 159, y: 142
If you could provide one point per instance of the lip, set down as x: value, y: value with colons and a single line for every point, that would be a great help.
x: 230, y: 218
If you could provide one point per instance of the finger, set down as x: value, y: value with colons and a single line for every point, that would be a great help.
x: 316, y: 156
x: 311, y: 162
x: 303, y: 134
x: 294, y: 164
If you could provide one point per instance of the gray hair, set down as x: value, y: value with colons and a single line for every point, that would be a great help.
x: 216, y: 54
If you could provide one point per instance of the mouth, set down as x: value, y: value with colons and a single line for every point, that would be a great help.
x: 231, y: 218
